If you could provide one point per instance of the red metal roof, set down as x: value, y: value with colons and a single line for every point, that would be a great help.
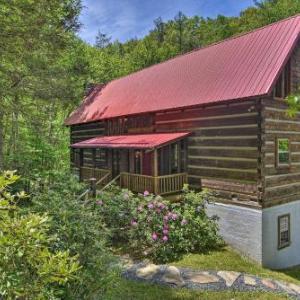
x: 239, y: 67
x: 137, y: 141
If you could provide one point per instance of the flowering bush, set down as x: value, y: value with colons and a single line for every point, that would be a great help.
x: 159, y: 229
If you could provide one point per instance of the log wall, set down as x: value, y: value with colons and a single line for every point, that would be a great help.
x: 224, y: 149
x: 281, y: 183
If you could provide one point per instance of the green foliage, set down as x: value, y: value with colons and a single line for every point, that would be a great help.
x: 29, y: 268
x: 153, y: 227
x: 79, y: 229
x: 294, y: 104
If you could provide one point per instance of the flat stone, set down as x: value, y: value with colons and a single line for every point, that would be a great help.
x: 249, y: 280
x: 172, y: 275
x: 269, y: 284
x: 294, y: 287
x: 147, y: 272
x: 285, y: 287
x: 229, y: 277
x: 202, y: 278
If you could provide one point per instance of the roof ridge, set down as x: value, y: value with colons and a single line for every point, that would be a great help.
x: 207, y: 46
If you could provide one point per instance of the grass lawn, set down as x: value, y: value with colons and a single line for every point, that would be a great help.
x: 226, y: 259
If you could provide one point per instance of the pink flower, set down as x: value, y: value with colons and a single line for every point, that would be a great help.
x: 133, y: 223
x: 184, y: 222
x: 158, y: 210
x: 162, y: 206
x: 174, y: 217
x: 166, y: 218
x: 100, y: 202
x: 146, y: 193
x: 150, y: 205
x: 166, y: 226
x: 154, y: 236
x: 170, y: 214
x: 165, y: 231
x: 165, y: 238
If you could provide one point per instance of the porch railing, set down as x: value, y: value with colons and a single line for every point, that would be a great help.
x: 171, y: 183
x: 86, y: 173
x: 137, y: 183
x: 158, y: 185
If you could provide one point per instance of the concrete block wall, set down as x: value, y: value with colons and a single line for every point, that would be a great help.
x: 240, y: 227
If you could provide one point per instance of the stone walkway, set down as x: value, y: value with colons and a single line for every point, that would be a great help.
x: 205, y: 280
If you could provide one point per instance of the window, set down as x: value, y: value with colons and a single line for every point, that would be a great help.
x: 283, y: 85
x: 283, y: 152
x: 284, y: 232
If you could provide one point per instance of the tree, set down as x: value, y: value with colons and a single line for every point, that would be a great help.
x: 35, y: 39
x: 102, y: 40
x: 159, y: 29
x: 180, y: 22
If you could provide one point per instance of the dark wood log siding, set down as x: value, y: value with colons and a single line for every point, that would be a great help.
x: 83, y: 132
x: 87, y: 131
x: 224, y: 146
x: 281, y: 183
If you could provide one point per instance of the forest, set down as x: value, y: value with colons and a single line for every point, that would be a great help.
x: 48, y: 240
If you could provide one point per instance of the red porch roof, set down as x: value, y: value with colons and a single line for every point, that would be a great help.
x: 237, y: 68
x: 138, y: 141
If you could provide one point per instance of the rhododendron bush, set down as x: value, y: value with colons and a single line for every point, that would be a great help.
x: 153, y: 227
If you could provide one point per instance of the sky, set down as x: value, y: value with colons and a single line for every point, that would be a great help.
x: 125, y: 19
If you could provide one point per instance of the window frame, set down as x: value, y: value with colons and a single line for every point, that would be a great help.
x: 283, y: 85
x: 287, y: 244
x: 279, y: 164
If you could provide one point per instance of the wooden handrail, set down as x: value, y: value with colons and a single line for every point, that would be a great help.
x: 139, y: 175
x: 83, y: 194
x: 110, y: 183
x: 103, y: 178
x: 172, y: 175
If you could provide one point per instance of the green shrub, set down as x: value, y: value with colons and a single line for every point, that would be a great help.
x: 80, y: 229
x: 29, y: 268
x: 153, y: 227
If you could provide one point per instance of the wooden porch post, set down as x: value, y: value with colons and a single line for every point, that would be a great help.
x: 155, y: 172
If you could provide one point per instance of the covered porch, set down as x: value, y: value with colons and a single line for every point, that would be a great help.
x: 154, y: 162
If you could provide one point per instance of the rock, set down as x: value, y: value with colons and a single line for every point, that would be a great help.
x: 248, y: 280
x: 229, y: 277
x: 202, y: 278
x: 269, y: 284
x: 172, y: 275
x: 294, y: 287
x: 285, y: 287
x: 147, y: 272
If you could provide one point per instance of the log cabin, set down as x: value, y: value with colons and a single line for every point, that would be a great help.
x: 217, y: 118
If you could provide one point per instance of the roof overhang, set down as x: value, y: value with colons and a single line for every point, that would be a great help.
x: 133, y: 141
